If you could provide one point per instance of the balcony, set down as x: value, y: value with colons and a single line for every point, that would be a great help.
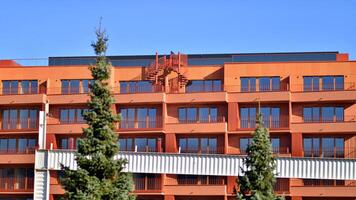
x: 19, y: 95
x: 324, y: 94
x: 195, y: 97
x: 140, y: 125
x: 64, y: 96
x: 262, y: 94
x: 140, y: 94
x: 208, y: 125
x: 195, y: 185
x: 207, y: 150
x: 346, y: 124
x: 273, y: 123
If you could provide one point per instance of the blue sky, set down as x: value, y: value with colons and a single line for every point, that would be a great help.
x: 38, y: 29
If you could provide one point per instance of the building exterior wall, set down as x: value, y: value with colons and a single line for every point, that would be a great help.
x: 227, y: 130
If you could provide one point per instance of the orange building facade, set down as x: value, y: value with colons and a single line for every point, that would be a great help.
x: 186, y: 105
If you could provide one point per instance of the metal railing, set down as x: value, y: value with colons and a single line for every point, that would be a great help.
x: 19, y: 124
x: 331, y: 119
x: 322, y: 87
x: 331, y: 152
x: 16, y: 183
x: 275, y: 150
x: 218, y: 119
x: 150, y: 182
x: 203, y: 88
x: 207, y: 150
x: 196, y: 180
x: 26, y: 150
x: 140, y: 124
x: 139, y: 89
x: 280, y: 122
x: 328, y: 183
x: 256, y: 88
x: 22, y: 91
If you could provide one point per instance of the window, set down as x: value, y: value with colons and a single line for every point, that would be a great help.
x: 68, y: 143
x: 20, y: 87
x: 328, y: 147
x: 139, y: 144
x: 270, y: 117
x: 72, y: 115
x: 17, y: 145
x: 19, y: 119
x: 198, y: 145
x: 139, y: 118
x: 248, y: 84
x: 16, y: 178
x: 245, y: 142
x: 312, y: 83
x: 75, y: 86
x: 204, y: 86
x: 198, y: 114
x: 323, y: 114
x: 323, y: 182
x: 136, y: 87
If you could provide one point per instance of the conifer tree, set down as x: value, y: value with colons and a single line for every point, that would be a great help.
x: 258, y: 180
x: 99, y: 176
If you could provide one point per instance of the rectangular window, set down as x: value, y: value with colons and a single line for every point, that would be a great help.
x: 139, y: 118
x: 312, y: 83
x: 244, y: 143
x: 198, y: 114
x: 17, y: 145
x: 323, y: 114
x: 19, y: 119
x: 75, y: 86
x: 135, y: 87
x: 72, y: 115
x: 13, y: 179
x: 264, y: 84
x: 139, y: 144
x: 198, y: 145
x: 68, y: 143
x: 329, y: 147
x: 204, y: 86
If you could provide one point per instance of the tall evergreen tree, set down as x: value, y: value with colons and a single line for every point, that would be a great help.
x: 99, y: 176
x: 258, y: 180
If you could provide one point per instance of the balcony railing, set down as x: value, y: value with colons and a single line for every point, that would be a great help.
x: 207, y: 150
x: 331, y: 153
x: 256, y: 88
x: 322, y: 87
x: 139, y: 149
x: 9, y: 184
x: 281, y: 122
x: 328, y: 183
x: 140, y: 124
x: 218, y: 119
x: 22, y: 91
x: 331, y: 119
x: 202, y: 88
x: 142, y: 184
x: 281, y: 185
x: 140, y: 89
x: 16, y: 124
x: 196, y: 180
x: 68, y: 91
x: 27, y: 150
x: 275, y: 150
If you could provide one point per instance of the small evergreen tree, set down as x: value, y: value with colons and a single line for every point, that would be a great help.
x: 258, y: 180
x: 99, y: 176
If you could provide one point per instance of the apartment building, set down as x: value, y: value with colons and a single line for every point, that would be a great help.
x: 186, y: 122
